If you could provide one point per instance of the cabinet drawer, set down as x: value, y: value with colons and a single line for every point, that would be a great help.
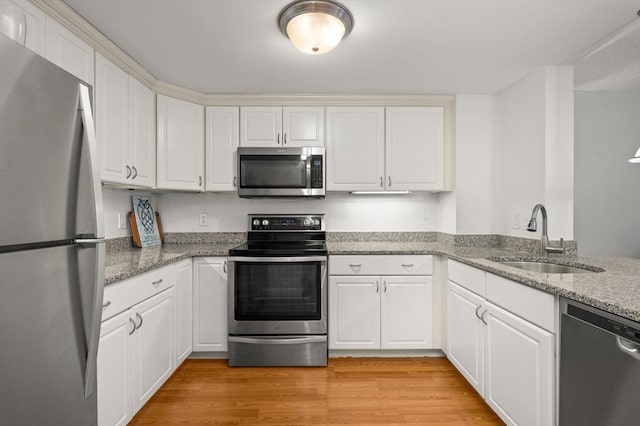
x: 471, y: 278
x: 529, y: 303
x: 121, y: 296
x: 381, y: 265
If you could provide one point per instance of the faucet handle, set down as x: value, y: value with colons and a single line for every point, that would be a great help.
x: 561, y: 249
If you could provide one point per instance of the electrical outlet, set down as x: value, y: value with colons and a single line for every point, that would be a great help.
x: 121, y: 221
x: 515, y: 221
x: 204, y: 219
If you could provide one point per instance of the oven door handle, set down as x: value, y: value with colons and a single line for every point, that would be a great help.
x: 278, y: 259
x: 280, y: 341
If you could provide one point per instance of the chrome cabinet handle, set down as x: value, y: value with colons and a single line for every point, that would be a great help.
x: 285, y: 139
x: 477, y: 314
x: 377, y: 286
x: 139, y: 317
x: 128, y: 172
x: 355, y: 265
x: 133, y: 330
x: 381, y: 181
x: 407, y: 265
x: 235, y: 181
x: 482, y: 317
x: 199, y: 180
x: 389, y: 181
x: 278, y: 138
x: 224, y: 267
x: 106, y: 304
x: 135, y: 172
x: 157, y: 282
x: 385, y: 285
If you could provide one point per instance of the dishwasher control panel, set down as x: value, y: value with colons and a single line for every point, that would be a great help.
x: 608, y: 324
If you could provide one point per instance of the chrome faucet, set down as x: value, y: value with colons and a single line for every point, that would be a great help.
x: 544, y: 239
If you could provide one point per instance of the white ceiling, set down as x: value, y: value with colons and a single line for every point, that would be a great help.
x: 396, y: 47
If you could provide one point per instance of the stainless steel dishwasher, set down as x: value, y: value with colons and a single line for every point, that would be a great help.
x: 599, y: 367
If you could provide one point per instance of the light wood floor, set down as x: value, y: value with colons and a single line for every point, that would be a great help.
x: 354, y: 391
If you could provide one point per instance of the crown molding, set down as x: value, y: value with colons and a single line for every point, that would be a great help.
x: 68, y: 17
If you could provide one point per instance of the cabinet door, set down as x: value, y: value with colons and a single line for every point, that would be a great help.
x: 261, y: 126
x: 355, y: 148
x: 36, y: 39
x: 406, y: 312
x: 142, y: 134
x: 115, y: 371
x: 303, y: 126
x: 221, y: 148
x: 354, y: 312
x: 519, y: 369
x: 112, y: 120
x: 180, y: 144
x: 153, y: 345
x: 465, y: 334
x: 68, y: 51
x: 210, y: 304
x: 415, y: 148
x: 184, y: 310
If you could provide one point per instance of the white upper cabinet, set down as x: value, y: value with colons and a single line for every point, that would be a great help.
x: 142, y: 134
x: 221, y: 146
x: 125, y: 126
x: 180, y: 145
x: 415, y: 148
x: 281, y: 126
x: 355, y: 148
x: 68, y: 51
x: 36, y: 25
x: 367, y: 152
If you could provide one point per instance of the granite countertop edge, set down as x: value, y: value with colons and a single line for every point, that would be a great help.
x: 616, y: 290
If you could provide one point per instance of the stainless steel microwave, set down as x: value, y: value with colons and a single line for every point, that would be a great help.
x: 281, y: 172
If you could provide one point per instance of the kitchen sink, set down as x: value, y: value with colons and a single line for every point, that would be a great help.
x: 549, y: 268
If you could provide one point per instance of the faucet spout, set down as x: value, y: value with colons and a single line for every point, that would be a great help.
x: 544, y: 238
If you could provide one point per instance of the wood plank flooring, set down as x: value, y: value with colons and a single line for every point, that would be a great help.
x: 350, y: 391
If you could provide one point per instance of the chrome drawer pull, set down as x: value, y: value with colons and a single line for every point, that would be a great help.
x: 157, y: 282
x: 482, y: 317
x: 140, y: 317
x: 355, y: 265
x: 377, y: 286
x: 107, y: 304
x: 134, y: 326
x: 407, y: 265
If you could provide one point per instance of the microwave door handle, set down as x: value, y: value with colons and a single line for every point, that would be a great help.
x: 308, y: 169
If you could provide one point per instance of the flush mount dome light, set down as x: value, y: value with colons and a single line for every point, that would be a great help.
x: 315, y: 26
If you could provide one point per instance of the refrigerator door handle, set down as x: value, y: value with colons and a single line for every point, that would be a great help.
x: 96, y: 315
x: 89, y: 139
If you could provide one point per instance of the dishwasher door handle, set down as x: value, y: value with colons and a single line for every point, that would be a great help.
x: 628, y: 347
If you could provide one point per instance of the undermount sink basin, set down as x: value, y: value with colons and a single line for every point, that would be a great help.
x: 546, y: 267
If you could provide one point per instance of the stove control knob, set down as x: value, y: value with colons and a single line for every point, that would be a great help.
x: 307, y: 221
x: 265, y: 222
x: 316, y: 222
x: 256, y: 222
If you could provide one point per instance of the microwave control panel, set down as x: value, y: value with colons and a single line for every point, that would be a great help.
x: 316, y: 171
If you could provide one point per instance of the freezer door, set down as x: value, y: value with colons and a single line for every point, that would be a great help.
x: 46, y: 180
x: 48, y: 299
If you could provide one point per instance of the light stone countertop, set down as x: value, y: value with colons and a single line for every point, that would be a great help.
x: 616, y: 290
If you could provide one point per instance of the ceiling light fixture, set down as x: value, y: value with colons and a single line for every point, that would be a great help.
x: 315, y: 26
x: 635, y: 159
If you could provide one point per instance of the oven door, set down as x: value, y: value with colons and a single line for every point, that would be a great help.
x: 277, y: 295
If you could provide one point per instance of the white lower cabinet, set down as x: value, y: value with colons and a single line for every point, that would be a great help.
x: 380, y: 311
x: 509, y: 360
x: 184, y: 310
x: 137, y: 349
x: 210, y: 304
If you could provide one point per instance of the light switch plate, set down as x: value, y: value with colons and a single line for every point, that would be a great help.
x: 121, y: 221
x: 204, y: 219
x: 515, y: 221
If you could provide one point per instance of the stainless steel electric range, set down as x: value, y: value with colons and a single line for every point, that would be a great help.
x: 278, y: 293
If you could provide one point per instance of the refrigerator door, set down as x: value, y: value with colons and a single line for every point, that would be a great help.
x: 46, y: 173
x: 48, y: 299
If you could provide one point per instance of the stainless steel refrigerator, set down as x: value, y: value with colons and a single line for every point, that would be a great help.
x: 51, y: 244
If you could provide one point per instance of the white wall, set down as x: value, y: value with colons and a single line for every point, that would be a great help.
x: 227, y: 213
x: 607, y: 186
x: 476, y: 164
x: 535, y: 146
